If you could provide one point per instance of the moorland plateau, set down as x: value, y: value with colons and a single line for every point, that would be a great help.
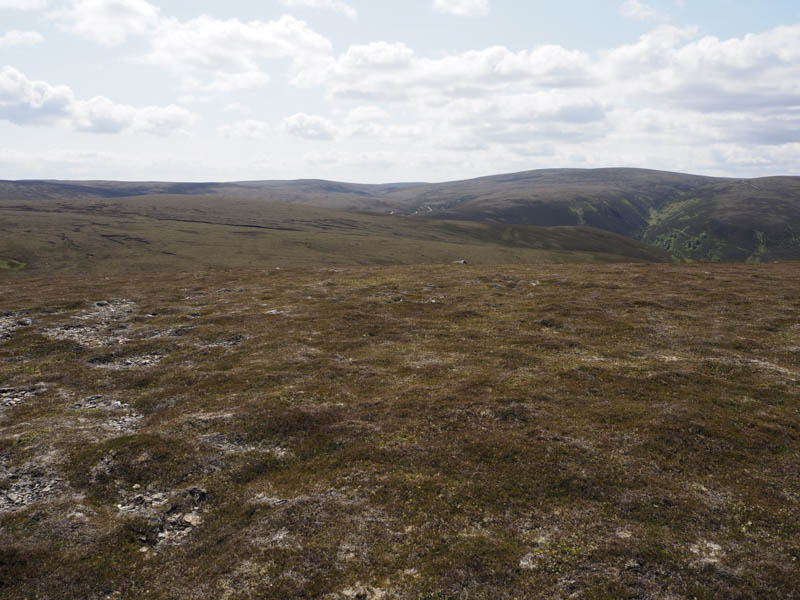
x: 292, y: 390
x: 495, y: 219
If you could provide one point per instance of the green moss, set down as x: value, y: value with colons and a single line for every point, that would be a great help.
x: 761, y: 250
x: 9, y: 264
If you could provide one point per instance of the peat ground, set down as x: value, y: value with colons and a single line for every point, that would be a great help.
x: 458, y: 431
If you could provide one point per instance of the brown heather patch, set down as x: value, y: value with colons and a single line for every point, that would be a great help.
x: 546, y: 431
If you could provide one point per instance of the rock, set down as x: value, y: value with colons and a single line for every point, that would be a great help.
x: 634, y: 565
x: 708, y: 552
x: 360, y: 592
x: 101, y: 303
x: 528, y: 561
x: 193, y: 519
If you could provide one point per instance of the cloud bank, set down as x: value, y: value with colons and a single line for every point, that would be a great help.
x: 27, y: 102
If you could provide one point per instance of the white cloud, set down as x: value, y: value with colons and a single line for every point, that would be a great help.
x: 206, y: 54
x: 24, y: 101
x: 309, y: 127
x: 101, y: 115
x: 640, y: 11
x: 463, y: 8
x: 20, y: 38
x: 109, y: 22
x: 393, y: 72
x: 27, y: 102
x: 250, y: 129
x: 23, y: 4
x: 757, y: 73
x: 334, y: 5
x: 227, y: 55
x: 672, y: 98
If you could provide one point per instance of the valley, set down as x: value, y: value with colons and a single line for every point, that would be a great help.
x: 689, y: 217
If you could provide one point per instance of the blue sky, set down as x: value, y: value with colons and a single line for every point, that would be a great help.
x: 372, y: 91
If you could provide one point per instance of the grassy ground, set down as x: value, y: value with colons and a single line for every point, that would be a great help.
x: 548, y: 431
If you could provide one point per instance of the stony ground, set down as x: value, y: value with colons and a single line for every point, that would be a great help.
x: 627, y: 431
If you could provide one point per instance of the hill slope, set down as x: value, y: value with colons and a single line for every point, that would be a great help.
x: 690, y: 216
x: 694, y: 217
x: 108, y: 234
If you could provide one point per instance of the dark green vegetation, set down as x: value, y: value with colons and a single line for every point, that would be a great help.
x: 148, y: 233
x: 9, y: 264
x: 482, y: 432
x: 692, y: 217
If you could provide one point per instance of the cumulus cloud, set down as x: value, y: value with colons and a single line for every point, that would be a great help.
x: 24, y: 101
x: 334, y: 5
x: 27, y: 102
x: 394, y: 73
x: 758, y: 72
x: 309, y: 127
x: 204, y: 53
x: 23, y: 4
x: 672, y: 98
x: 672, y: 95
x: 109, y: 22
x: 20, y: 38
x: 227, y: 55
x: 463, y: 8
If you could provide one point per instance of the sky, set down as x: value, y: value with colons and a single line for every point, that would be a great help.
x: 396, y: 90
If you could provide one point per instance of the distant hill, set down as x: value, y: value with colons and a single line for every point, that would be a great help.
x: 690, y: 217
x: 103, y: 234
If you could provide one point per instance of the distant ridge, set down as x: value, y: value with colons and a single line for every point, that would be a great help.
x: 692, y: 217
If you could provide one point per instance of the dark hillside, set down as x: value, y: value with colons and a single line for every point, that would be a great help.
x: 691, y: 216
x: 754, y: 220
